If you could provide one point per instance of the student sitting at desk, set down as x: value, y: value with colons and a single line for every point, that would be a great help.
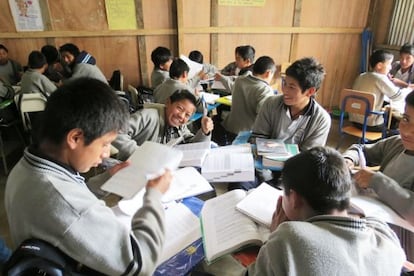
x: 178, y: 80
x: 10, y: 70
x: 33, y: 79
x: 161, y: 58
x: 163, y: 124
x: 402, y: 71
x: 293, y: 117
x: 313, y: 234
x: 81, y: 63
x: 249, y: 94
x: 394, y: 182
x: 378, y: 83
x: 58, y: 207
x: 243, y: 64
x: 197, y: 56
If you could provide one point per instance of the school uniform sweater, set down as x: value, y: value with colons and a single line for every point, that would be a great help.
x: 329, y: 245
x: 249, y: 94
x: 408, y: 76
x: 149, y: 124
x: 158, y: 76
x: 10, y: 72
x: 50, y: 201
x: 309, y: 130
x: 33, y: 81
x: 163, y: 91
x: 383, y: 89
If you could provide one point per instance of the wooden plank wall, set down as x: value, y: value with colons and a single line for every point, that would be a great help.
x: 283, y: 29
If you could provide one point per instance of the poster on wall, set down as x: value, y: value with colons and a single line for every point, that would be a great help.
x: 121, y: 14
x: 243, y: 3
x: 27, y: 15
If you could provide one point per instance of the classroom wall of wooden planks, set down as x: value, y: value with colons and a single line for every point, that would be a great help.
x: 286, y: 30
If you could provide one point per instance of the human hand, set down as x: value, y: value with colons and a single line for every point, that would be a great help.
x: 162, y: 182
x: 202, y: 75
x: 217, y: 76
x: 207, y: 125
x: 113, y: 170
x: 279, y: 215
x: 363, y: 178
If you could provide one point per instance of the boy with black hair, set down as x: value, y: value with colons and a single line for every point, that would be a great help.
x: 295, y: 117
x: 79, y: 123
x: 55, y: 71
x: 249, y: 94
x: 243, y: 65
x: 33, y: 79
x: 10, y: 70
x: 162, y: 124
x: 378, y: 83
x: 313, y: 234
x: 81, y: 63
x: 402, y: 71
x: 394, y: 182
x: 161, y: 58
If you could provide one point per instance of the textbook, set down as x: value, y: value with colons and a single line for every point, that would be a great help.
x: 193, y: 153
x: 147, y: 162
x: 370, y: 206
x: 277, y: 161
x: 229, y: 164
x: 260, y: 203
x: 226, y: 230
x: 273, y: 147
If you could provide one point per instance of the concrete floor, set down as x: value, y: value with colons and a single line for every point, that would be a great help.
x: 16, y: 154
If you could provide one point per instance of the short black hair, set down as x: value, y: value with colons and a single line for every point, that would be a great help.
x: 308, y: 72
x: 177, y: 68
x: 160, y: 55
x: 4, y: 48
x: 183, y: 94
x: 380, y: 56
x: 196, y: 56
x: 51, y: 54
x: 84, y: 103
x: 36, y: 60
x: 324, y: 179
x: 70, y: 48
x: 407, y: 48
x: 246, y: 52
x: 409, y: 99
x: 263, y: 64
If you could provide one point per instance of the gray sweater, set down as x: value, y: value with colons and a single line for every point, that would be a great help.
x: 87, y: 70
x: 249, y: 94
x: 149, y: 124
x: 329, y: 245
x: 32, y: 81
x: 309, y: 130
x: 51, y: 202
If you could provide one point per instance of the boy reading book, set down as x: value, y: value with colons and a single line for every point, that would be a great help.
x: 312, y: 231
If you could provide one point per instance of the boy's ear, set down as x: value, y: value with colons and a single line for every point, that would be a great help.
x: 310, y: 92
x: 74, y: 138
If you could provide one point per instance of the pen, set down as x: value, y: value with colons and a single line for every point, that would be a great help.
x: 362, y: 161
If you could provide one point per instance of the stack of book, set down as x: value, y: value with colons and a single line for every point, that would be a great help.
x: 274, y: 152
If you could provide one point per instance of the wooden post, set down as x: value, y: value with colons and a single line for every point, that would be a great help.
x: 214, y: 52
x: 142, y: 46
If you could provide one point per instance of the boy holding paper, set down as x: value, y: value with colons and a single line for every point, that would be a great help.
x: 46, y: 197
x: 313, y: 234
x: 394, y: 182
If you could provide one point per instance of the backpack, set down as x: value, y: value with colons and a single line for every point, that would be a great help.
x: 37, y: 257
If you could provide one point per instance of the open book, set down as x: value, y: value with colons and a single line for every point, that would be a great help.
x: 260, y: 203
x: 225, y: 229
x: 193, y: 153
x: 147, y: 162
x: 371, y: 206
x: 229, y: 164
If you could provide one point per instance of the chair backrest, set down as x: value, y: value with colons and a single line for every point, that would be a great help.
x: 29, y: 102
x: 134, y: 95
x: 357, y: 102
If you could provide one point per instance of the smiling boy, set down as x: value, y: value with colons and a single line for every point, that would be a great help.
x: 162, y: 123
x: 394, y: 182
x: 295, y: 117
